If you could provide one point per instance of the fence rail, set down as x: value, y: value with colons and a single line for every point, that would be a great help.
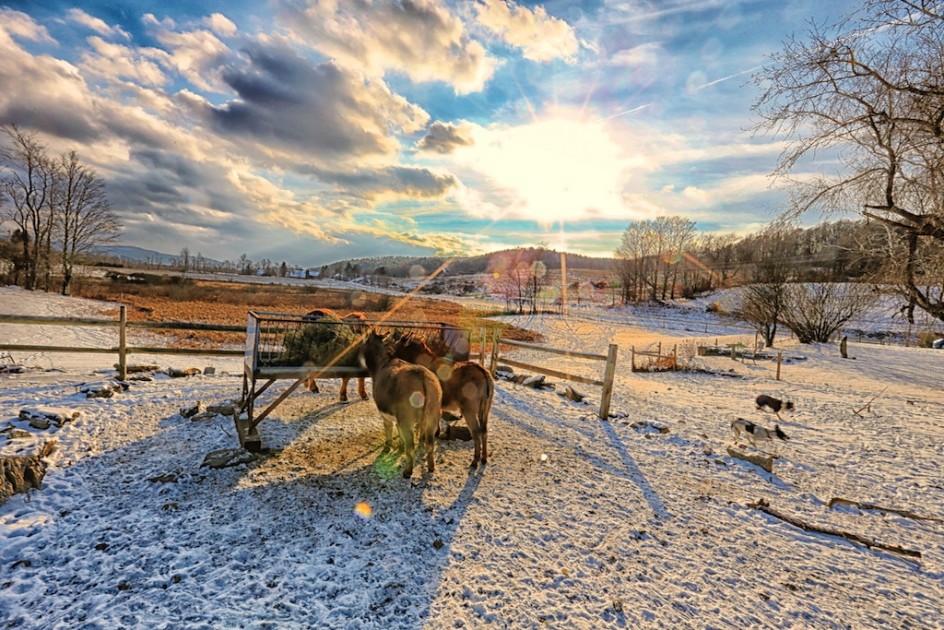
x: 122, y: 349
x: 608, y: 373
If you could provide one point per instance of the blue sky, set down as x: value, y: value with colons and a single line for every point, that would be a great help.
x: 312, y: 131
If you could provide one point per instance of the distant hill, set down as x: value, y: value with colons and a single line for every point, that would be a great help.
x: 399, y: 266
x: 132, y: 254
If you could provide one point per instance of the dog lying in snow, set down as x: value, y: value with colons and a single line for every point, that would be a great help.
x: 774, y: 404
x: 755, y: 432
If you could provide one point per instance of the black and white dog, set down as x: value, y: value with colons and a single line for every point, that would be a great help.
x: 755, y: 432
x: 774, y: 404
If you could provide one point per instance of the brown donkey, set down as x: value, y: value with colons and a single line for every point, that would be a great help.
x: 467, y: 388
x: 407, y: 394
x: 356, y: 320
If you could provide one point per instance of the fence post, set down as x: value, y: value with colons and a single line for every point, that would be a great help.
x: 608, y: 381
x: 779, y: 358
x: 674, y: 357
x: 493, y: 364
x: 122, y: 343
x: 482, y: 337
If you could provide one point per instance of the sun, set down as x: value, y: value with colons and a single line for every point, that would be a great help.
x: 550, y: 170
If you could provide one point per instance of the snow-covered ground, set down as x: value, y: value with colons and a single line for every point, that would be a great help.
x: 576, y: 522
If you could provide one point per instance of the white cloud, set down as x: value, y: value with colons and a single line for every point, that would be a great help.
x: 421, y: 39
x: 113, y: 61
x: 96, y: 24
x: 540, y: 37
x: 197, y: 55
x: 642, y: 55
x: 220, y: 25
x: 18, y: 24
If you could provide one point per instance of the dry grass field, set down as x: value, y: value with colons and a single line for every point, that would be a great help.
x: 180, y: 299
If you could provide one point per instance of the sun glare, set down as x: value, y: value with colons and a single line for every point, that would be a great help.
x: 555, y: 170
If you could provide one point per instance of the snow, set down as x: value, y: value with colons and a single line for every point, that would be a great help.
x: 575, y: 522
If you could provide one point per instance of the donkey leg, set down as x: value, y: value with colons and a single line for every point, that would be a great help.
x: 388, y: 432
x: 409, y: 450
x: 430, y: 428
x: 343, y: 394
x: 311, y: 385
x: 470, y: 414
x: 361, y: 390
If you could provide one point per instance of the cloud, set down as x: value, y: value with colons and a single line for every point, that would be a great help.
x: 50, y: 94
x: 645, y: 55
x: 291, y: 110
x: 18, y: 24
x: 96, y: 24
x: 444, y: 137
x: 111, y: 61
x: 540, y: 37
x: 393, y: 183
x: 220, y: 24
x: 196, y: 55
x: 419, y: 38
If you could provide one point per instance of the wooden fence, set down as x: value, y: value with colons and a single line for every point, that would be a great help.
x: 608, y: 372
x: 662, y: 361
x: 122, y: 349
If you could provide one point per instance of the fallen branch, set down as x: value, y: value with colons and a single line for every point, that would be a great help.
x: 763, y: 506
x: 868, y: 405
x: 872, y: 506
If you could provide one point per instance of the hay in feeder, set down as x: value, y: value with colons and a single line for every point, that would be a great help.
x: 329, y: 341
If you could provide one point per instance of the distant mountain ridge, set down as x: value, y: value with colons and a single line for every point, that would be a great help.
x: 482, y: 263
x: 126, y: 253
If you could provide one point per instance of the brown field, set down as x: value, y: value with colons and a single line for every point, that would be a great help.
x: 176, y: 299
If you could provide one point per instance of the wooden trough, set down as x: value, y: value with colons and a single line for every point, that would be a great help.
x: 292, y: 347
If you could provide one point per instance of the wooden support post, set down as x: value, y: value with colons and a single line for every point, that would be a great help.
x: 674, y: 357
x: 779, y: 359
x: 122, y: 343
x: 482, y: 337
x: 608, y: 381
x: 493, y: 361
x: 632, y: 358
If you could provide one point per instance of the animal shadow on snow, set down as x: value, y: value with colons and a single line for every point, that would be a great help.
x: 358, y: 515
x: 326, y: 469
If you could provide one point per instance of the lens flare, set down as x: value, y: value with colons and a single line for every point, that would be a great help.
x: 417, y: 400
x: 363, y: 510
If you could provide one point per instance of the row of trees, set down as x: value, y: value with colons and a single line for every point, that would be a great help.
x: 56, y: 206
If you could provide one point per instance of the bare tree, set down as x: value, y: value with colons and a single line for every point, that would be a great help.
x: 762, y: 303
x: 871, y: 91
x: 680, y: 233
x: 83, y: 216
x: 817, y: 311
x: 28, y: 182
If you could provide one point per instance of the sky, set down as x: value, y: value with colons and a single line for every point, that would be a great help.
x: 314, y: 131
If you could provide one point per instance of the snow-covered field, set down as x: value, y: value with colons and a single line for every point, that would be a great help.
x: 576, y: 522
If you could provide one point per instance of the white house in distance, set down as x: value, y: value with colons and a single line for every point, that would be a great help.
x: 299, y: 272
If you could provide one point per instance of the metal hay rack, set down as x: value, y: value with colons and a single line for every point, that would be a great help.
x: 296, y: 348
